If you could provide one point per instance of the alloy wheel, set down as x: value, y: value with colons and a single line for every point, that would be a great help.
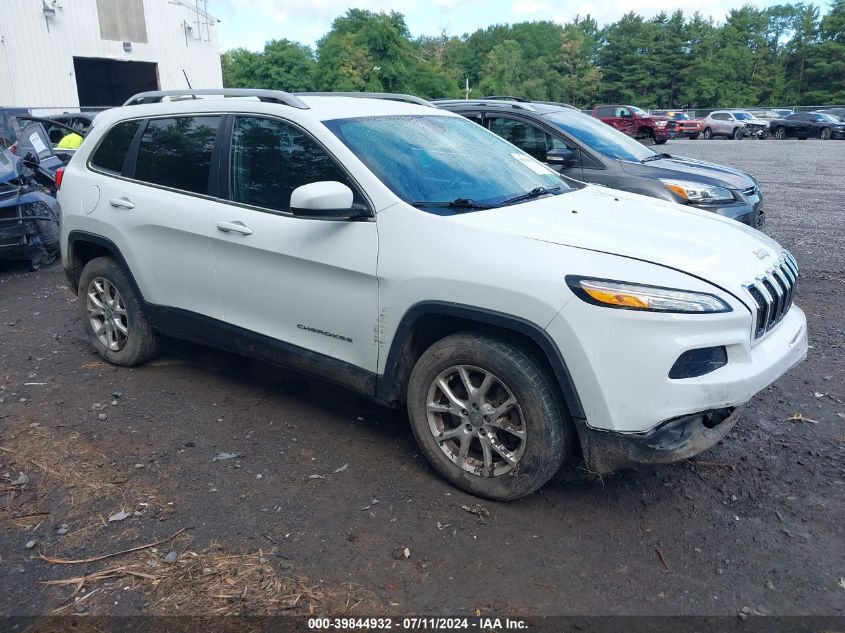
x: 476, y: 421
x: 107, y: 314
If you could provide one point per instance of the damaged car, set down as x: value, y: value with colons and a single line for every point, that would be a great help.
x: 30, y: 216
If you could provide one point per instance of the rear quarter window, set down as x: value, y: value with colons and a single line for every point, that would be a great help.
x: 112, y: 151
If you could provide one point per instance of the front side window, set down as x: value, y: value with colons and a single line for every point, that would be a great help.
x: 270, y: 159
x: 528, y: 138
x: 177, y: 152
x: 437, y: 158
x: 113, y: 149
x: 742, y: 116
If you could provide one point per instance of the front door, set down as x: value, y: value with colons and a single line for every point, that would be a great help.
x: 532, y: 140
x: 308, y: 283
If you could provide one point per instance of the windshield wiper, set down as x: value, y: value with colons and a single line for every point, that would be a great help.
x: 534, y: 193
x: 655, y: 157
x: 457, y: 203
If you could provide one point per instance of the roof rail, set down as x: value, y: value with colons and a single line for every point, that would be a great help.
x: 516, y: 105
x: 389, y: 96
x: 270, y: 96
x: 502, y: 98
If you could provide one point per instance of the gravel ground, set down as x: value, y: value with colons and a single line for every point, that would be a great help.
x: 329, y: 490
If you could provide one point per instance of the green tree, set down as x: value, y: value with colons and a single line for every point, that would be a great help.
x: 282, y: 65
x: 504, y: 69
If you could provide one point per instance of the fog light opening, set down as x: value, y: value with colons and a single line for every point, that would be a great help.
x: 697, y: 362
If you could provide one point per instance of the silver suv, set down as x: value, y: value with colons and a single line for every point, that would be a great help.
x: 734, y: 124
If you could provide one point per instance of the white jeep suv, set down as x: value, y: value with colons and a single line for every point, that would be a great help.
x: 411, y: 255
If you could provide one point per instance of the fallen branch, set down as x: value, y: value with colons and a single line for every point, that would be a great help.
x: 662, y: 558
x: 93, y: 559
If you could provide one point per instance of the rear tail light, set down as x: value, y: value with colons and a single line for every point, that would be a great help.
x: 14, y: 148
x: 60, y: 173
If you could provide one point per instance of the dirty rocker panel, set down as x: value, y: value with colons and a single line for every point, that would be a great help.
x: 208, y: 331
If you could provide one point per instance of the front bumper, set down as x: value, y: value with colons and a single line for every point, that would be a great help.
x: 620, y: 360
x: 748, y: 212
x: 671, y: 442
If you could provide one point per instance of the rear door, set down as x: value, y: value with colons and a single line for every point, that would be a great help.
x: 308, y: 283
x: 154, y: 204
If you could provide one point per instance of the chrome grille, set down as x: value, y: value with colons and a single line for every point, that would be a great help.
x: 772, y: 293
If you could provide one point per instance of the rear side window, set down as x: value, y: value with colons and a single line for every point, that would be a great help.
x: 112, y: 151
x: 270, y: 159
x: 177, y: 152
x: 606, y: 112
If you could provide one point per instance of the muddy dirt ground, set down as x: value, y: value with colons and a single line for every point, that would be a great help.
x: 327, y: 494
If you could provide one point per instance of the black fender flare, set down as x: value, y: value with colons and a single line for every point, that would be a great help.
x: 386, y: 383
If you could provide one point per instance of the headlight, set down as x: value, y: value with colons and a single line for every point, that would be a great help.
x: 698, y: 192
x: 628, y: 296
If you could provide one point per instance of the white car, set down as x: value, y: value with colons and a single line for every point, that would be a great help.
x: 411, y: 255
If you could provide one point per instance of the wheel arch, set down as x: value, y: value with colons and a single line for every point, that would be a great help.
x: 427, y: 322
x: 82, y: 247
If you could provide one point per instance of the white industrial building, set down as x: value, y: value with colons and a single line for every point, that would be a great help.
x: 66, y: 54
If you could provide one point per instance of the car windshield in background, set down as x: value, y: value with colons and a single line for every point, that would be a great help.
x: 430, y: 159
x: 600, y: 137
x: 827, y: 117
x: 742, y: 116
x: 680, y: 116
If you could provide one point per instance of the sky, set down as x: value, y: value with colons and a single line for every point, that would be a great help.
x: 251, y: 23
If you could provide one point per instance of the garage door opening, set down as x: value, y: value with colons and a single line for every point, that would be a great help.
x: 107, y: 82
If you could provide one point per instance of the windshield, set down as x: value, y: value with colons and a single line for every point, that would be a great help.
x: 600, y: 137
x: 434, y: 158
x: 742, y: 116
x: 679, y: 116
x: 827, y: 117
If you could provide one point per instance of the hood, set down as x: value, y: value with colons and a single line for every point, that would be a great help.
x: 681, y: 168
x: 716, y: 249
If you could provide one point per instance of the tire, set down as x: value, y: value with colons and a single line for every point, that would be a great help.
x: 694, y: 136
x: 513, y: 374
x: 825, y: 134
x: 737, y: 134
x: 105, y: 287
x: 780, y: 133
x: 708, y: 134
x: 660, y: 142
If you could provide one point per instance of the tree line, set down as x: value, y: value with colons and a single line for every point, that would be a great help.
x: 787, y: 54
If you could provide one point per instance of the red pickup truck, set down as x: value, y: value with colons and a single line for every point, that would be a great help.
x: 634, y: 122
x: 681, y: 124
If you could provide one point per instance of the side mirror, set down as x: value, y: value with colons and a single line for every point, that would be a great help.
x: 562, y: 157
x: 325, y: 200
